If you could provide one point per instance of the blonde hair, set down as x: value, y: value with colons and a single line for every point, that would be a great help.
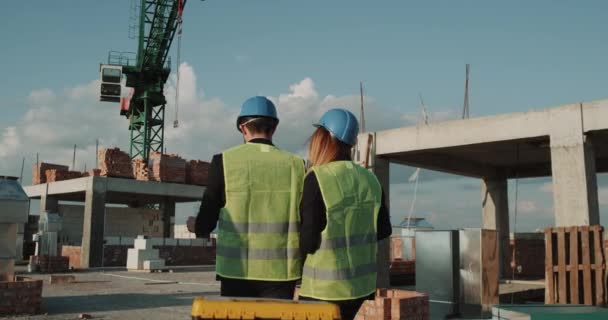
x: 324, y: 148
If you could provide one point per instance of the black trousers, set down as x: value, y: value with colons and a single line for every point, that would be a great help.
x: 348, y: 308
x: 257, y: 289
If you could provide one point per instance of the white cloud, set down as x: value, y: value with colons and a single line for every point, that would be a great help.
x: 528, y: 207
x: 87, y: 91
x: 10, y: 142
x: 41, y: 97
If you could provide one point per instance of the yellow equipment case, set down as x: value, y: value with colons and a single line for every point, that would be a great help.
x: 253, y: 308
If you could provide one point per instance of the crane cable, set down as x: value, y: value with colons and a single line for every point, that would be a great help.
x: 180, y: 9
x: 516, y: 200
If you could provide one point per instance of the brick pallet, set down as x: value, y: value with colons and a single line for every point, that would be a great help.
x: 53, y: 264
x: 39, y: 171
x: 197, y: 172
x: 21, y: 295
x: 575, y: 265
x: 53, y: 175
x: 167, y: 168
x: 114, y: 163
x: 394, y: 305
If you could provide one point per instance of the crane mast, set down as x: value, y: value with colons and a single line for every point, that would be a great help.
x: 146, y: 74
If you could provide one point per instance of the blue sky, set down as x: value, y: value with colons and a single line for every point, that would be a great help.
x: 523, y: 55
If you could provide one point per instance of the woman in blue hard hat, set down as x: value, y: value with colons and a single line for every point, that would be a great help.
x: 342, y: 217
x: 252, y: 195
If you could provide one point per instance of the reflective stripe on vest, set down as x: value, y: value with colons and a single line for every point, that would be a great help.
x: 344, y: 266
x: 258, y: 237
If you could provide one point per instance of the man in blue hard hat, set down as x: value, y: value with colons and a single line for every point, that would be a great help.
x: 253, y: 196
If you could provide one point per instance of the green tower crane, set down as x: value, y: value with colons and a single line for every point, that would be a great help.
x: 146, y: 72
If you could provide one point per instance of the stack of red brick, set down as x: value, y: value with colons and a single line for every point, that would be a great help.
x: 167, y: 168
x: 21, y: 296
x: 51, y: 264
x: 53, y: 175
x: 395, y: 305
x: 39, y: 171
x: 399, y: 266
x: 197, y: 172
x: 140, y: 170
x: 92, y: 173
x: 114, y: 163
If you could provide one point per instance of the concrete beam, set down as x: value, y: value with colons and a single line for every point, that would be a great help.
x: 73, y: 187
x: 481, y: 130
x: 535, y: 170
x: 595, y: 115
x: 446, y: 163
x: 573, y: 170
x: 495, y: 216
x: 59, y: 187
x: 94, y: 222
x: 463, y: 132
x: 48, y: 203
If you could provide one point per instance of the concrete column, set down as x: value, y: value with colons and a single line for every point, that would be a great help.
x: 94, y: 222
x: 381, y: 169
x: 48, y: 203
x: 575, y: 197
x: 168, y: 209
x: 495, y: 216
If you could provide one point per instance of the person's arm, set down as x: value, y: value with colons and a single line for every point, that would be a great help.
x: 312, y: 216
x: 385, y: 229
x: 213, y: 201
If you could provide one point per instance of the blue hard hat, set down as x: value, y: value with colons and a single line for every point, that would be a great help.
x: 257, y: 107
x: 342, y: 124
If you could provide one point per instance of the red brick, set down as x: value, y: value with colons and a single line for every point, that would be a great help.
x: 197, y: 172
x: 114, y: 163
x: 167, y: 168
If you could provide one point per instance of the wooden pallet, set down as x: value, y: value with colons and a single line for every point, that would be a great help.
x: 575, y: 265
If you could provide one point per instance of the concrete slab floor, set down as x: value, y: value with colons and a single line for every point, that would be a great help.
x: 119, y: 294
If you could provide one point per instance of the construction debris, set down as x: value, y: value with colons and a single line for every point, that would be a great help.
x: 39, y: 171
x: 167, y: 168
x: 114, y: 163
x: 197, y: 172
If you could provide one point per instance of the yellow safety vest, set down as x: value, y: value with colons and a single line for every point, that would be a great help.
x: 258, y: 232
x: 344, y: 267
